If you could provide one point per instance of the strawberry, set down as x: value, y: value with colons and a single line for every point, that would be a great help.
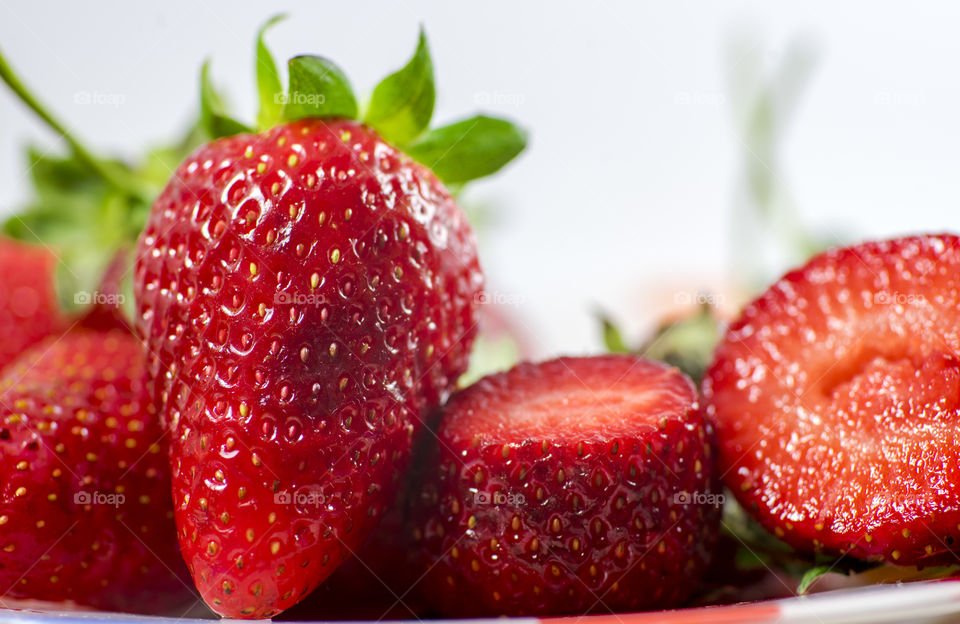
x: 85, y: 511
x: 29, y: 310
x: 376, y: 583
x: 373, y: 584
x: 307, y: 292
x: 836, y: 400
x: 575, y: 485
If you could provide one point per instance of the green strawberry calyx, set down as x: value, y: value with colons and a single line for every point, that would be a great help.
x: 400, y: 110
x: 82, y: 206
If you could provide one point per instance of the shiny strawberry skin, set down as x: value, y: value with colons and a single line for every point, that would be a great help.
x: 378, y: 581
x: 85, y: 508
x: 591, y: 513
x: 306, y: 293
x: 836, y: 400
x: 29, y: 310
x: 374, y: 584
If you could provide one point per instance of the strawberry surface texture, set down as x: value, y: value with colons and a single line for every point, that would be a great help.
x: 306, y: 294
x: 836, y: 400
x: 572, y: 486
x: 85, y: 509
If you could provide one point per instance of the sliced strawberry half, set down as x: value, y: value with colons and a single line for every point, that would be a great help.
x: 571, y: 486
x: 836, y: 400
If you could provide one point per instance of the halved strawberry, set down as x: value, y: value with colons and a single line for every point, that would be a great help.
x: 571, y: 486
x: 85, y: 509
x: 836, y: 399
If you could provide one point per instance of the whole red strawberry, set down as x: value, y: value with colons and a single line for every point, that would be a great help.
x: 836, y: 400
x: 29, y: 310
x: 306, y: 292
x: 85, y: 512
x: 571, y: 486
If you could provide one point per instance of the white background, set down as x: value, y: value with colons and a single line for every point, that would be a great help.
x: 624, y: 195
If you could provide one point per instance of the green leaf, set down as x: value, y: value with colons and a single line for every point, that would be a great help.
x: 58, y: 173
x: 810, y: 576
x: 268, y: 81
x: 468, y: 149
x: 318, y: 88
x: 212, y: 112
x: 612, y: 337
x: 402, y: 104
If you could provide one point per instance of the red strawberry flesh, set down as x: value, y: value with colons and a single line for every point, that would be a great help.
x: 836, y: 399
x: 566, y: 401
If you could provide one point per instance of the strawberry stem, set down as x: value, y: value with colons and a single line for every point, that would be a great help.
x: 112, y: 175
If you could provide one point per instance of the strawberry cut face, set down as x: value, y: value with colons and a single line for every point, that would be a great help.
x: 836, y: 398
x: 306, y: 294
x: 551, y: 402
